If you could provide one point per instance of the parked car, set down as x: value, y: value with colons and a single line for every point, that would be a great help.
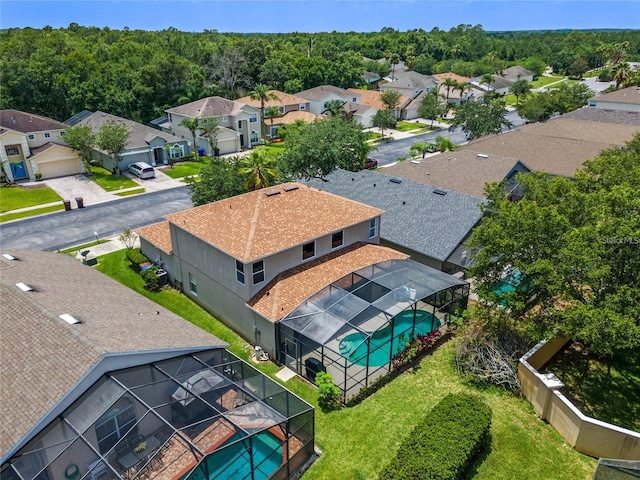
x: 142, y: 170
x: 370, y: 164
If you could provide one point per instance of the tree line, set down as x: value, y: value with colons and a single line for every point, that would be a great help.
x: 137, y: 74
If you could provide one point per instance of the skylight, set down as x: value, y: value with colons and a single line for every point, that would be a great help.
x: 8, y: 256
x: 70, y: 319
x: 24, y: 287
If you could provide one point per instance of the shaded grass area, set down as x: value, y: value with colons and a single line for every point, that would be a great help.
x: 30, y: 213
x: 357, y: 442
x: 608, y: 390
x: 109, y: 182
x: 130, y: 192
x: 14, y: 197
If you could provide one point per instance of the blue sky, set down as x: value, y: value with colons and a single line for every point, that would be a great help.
x: 318, y: 16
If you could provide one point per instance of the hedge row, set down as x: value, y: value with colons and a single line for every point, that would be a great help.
x: 445, y: 443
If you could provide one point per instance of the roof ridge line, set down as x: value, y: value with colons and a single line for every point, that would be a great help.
x: 254, y: 226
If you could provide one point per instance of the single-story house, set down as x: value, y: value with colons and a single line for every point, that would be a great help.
x: 499, y: 85
x: 410, y: 83
x: 517, y: 72
x: 627, y: 99
x: 362, y: 114
x: 33, y: 146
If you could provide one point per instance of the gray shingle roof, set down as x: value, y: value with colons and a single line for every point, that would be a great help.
x: 28, y: 122
x: 43, y: 357
x: 318, y: 93
x: 630, y: 95
x: 605, y: 115
x: 208, y: 107
x: 415, y: 217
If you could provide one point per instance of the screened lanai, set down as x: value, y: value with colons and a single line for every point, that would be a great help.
x: 202, y: 416
x: 353, y: 327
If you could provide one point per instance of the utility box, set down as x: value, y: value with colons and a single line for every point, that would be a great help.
x: 313, y: 366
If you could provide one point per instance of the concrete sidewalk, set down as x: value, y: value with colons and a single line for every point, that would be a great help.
x: 397, y: 134
x: 113, y: 244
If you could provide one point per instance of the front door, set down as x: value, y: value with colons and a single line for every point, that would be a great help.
x: 18, y: 170
x: 242, y: 140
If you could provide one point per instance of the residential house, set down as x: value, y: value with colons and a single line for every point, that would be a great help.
x: 319, y: 97
x: 239, y: 124
x: 371, y: 79
x: 286, y: 103
x: 145, y: 144
x: 515, y: 73
x: 627, y: 99
x: 410, y: 83
x: 455, y: 95
x: 372, y: 98
x: 33, y: 146
x: 100, y: 382
x: 499, y: 85
x: 362, y: 114
x: 256, y: 260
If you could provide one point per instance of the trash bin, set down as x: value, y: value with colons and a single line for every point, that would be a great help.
x: 80, y: 202
x: 313, y: 366
x: 67, y: 205
x: 201, y: 152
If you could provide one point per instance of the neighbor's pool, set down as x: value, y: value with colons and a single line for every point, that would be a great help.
x: 234, y: 462
x: 354, y: 348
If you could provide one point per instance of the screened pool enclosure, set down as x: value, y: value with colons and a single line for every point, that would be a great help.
x: 202, y: 416
x: 353, y: 327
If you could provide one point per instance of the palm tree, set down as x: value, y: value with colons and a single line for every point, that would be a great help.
x: 191, y: 124
x: 258, y: 168
x: 449, y: 83
x: 271, y: 112
x: 420, y: 148
x: 444, y: 143
x: 393, y: 59
x: 264, y: 94
x: 621, y: 74
x: 210, y: 127
x: 462, y: 87
x: 487, y: 79
x: 335, y: 108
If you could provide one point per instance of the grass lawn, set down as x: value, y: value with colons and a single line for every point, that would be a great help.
x: 422, y: 130
x: 358, y: 441
x: 5, y: 217
x: 273, y: 148
x: 14, y: 197
x: 407, y: 126
x: 185, y: 169
x: 83, y: 246
x: 613, y: 396
x: 129, y: 192
x: 109, y: 182
x: 543, y: 81
x: 373, y: 135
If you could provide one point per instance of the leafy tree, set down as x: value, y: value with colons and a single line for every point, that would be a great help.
x: 390, y: 99
x: 521, y: 88
x: 82, y: 139
x: 383, y: 119
x: 481, y: 118
x: 191, y: 124
x: 316, y: 149
x: 335, y: 108
x: 431, y: 106
x: 258, y: 169
x: 218, y: 180
x: 128, y: 238
x: 444, y: 144
x: 329, y: 395
x: 264, y: 94
x: 537, y: 108
x: 113, y: 139
x: 578, y: 68
x: 210, y: 127
x: 421, y: 148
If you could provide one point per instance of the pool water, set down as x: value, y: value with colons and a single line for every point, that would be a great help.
x: 354, y: 348
x: 233, y: 462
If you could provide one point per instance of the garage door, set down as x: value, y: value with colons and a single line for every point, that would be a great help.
x: 60, y: 168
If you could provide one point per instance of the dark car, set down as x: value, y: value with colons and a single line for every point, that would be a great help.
x: 370, y: 164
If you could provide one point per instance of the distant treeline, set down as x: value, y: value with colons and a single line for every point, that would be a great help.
x: 137, y: 74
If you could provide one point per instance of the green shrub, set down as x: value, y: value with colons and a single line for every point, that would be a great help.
x: 329, y: 396
x: 150, y: 278
x: 444, y: 444
x: 136, y: 257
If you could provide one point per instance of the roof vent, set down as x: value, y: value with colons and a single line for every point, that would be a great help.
x: 70, y: 319
x: 8, y: 256
x: 290, y: 188
x: 24, y: 287
x: 417, y: 162
x: 271, y: 193
x: 439, y: 191
x: 395, y: 180
x: 483, y: 155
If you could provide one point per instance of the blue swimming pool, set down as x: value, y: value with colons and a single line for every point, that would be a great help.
x: 233, y: 462
x: 354, y: 348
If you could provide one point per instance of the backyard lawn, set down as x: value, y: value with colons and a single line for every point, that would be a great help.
x: 109, y: 182
x: 14, y: 197
x: 273, y: 148
x: 543, y: 81
x: 186, y: 169
x: 357, y: 442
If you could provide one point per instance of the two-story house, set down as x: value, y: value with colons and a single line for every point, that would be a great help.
x: 319, y: 97
x: 32, y: 146
x: 239, y: 124
x: 256, y: 260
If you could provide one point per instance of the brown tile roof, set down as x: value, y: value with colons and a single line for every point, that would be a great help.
x: 441, y: 77
x: 43, y: 357
x: 283, y: 99
x: 159, y: 235
x: 208, y: 107
x: 630, y: 95
x: 289, y: 289
x: 461, y: 171
x: 372, y: 98
x: 254, y: 225
x: 291, y: 117
x: 28, y: 122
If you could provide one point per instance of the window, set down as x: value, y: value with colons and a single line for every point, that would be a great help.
x: 169, y: 118
x: 281, y: 109
x: 254, y: 138
x: 46, y: 135
x: 115, y: 424
x: 373, y: 227
x: 32, y: 136
x: 225, y: 118
x: 308, y: 250
x: 274, y: 132
x: 12, y: 150
x: 240, y: 272
x: 176, y: 151
x: 302, y: 106
x: 253, y: 118
x: 337, y: 239
x: 192, y: 284
x: 355, y: 100
x: 258, y: 272
x: 62, y: 134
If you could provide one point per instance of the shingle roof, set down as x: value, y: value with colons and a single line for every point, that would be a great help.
x: 283, y: 99
x: 208, y: 107
x: 415, y: 217
x: 372, y: 98
x: 290, y: 288
x: 140, y: 134
x: 454, y: 76
x: 462, y: 171
x: 318, y: 93
x: 411, y: 79
x: 291, y: 117
x: 258, y: 224
x: 43, y: 357
x: 159, y: 235
x: 630, y: 95
x: 515, y: 73
x: 28, y: 122
x: 605, y: 115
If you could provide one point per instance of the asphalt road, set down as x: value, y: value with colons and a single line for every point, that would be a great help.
x: 66, y: 229
x: 388, y: 153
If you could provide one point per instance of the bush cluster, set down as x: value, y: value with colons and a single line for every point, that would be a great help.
x: 414, y: 348
x: 135, y: 257
x: 329, y: 395
x: 445, y: 443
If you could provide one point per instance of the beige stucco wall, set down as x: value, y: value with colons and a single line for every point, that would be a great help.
x: 585, y: 434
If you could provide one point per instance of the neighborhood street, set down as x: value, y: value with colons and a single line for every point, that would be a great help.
x: 65, y: 229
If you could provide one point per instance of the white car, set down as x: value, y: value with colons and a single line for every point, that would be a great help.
x: 142, y: 170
